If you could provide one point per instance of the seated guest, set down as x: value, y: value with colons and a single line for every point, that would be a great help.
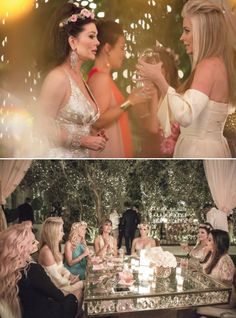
x: 50, y: 257
x: 219, y: 265
x: 105, y: 244
x: 144, y: 241
x: 76, y: 250
x: 38, y: 296
x: 200, y: 249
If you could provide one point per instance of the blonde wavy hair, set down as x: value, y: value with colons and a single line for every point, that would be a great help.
x: 50, y: 236
x: 15, y: 249
x: 74, y: 233
x: 212, y: 37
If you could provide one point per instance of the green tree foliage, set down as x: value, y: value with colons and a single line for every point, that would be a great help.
x: 90, y: 189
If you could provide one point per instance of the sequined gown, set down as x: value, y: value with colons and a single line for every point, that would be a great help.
x: 77, y: 116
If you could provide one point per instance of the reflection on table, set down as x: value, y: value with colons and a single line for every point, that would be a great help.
x: 121, y: 285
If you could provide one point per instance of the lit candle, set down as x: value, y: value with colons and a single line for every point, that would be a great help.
x: 179, y: 288
x: 180, y: 280
x: 178, y: 270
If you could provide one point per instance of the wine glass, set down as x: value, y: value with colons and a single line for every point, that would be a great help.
x: 148, y: 56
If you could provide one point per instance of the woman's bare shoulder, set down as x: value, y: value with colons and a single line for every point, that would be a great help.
x: 57, y: 75
x: 46, y: 257
x: 211, y: 64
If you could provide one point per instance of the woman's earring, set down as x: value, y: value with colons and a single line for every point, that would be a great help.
x: 73, y: 60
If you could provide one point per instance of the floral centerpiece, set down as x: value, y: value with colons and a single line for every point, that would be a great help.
x: 163, y: 261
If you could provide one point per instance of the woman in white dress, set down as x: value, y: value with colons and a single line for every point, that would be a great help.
x: 66, y: 102
x: 203, y: 102
x: 144, y: 241
x: 51, y: 258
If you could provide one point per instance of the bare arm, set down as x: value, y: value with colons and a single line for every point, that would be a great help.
x: 68, y: 254
x: 46, y: 257
x: 133, y: 251
x: 115, y: 246
x: 100, y: 85
x: 98, y: 251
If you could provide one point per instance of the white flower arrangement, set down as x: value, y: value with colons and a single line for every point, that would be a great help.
x: 160, y: 258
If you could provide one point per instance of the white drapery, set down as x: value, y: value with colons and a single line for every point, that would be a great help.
x: 11, y: 174
x: 221, y: 177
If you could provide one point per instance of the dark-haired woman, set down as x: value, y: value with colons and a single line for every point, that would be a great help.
x: 66, y: 100
x: 201, y: 248
x: 219, y: 265
x: 112, y: 104
x: 105, y: 244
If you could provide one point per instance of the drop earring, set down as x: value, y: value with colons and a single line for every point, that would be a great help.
x: 73, y: 60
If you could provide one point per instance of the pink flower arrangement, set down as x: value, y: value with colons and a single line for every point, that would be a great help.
x: 168, y: 144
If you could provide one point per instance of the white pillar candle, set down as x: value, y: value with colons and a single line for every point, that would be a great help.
x: 180, y: 280
x: 178, y: 270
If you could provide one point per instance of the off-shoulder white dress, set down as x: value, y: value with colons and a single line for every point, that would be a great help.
x: 201, y: 124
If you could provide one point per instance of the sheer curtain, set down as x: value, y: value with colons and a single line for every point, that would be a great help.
x: 221, y: 177
x: 11, y: 174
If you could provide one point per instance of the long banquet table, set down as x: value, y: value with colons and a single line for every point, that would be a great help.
x: 105, y: 296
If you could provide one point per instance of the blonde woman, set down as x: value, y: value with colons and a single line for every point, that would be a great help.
x: 24, y: 285
x: 76, y: 250
x: 105, y: 244
x: 144, y: 241
x: 207, y: 96
x: 50, y: 257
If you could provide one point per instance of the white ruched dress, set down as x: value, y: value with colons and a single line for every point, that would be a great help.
x: 201, y: 124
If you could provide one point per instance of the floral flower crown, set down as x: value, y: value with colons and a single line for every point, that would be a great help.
x: 84, y: 14
x: 207, y: 226
x: 78, y: 224
x: 141, y: 225
x: 159, y: 47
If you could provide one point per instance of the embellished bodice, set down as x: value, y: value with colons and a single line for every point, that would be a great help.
x: 77, y: 116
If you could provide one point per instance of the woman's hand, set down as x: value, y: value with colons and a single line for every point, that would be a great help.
x: 73, y: 279
x: 96, y: 143
x: 153, y: 72
x: 140, y: 95
x: 102, y: 133
x: 86, y: 252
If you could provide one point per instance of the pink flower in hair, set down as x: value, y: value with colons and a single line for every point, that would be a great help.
x: 74, y: 18
x: 86, y: 13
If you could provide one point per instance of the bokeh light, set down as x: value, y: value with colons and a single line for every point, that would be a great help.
x: 13, y: 9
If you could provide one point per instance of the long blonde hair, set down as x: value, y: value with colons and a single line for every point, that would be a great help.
x: 74, y: 234
x: 50, y: 236
x: 211, y: 38
x: 15, y: 250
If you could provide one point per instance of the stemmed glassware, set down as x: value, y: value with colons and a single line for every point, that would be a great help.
x: 148, y: 56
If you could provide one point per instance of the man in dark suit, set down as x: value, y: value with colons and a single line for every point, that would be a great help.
x: 129, y: 224
x: 26, y: 212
